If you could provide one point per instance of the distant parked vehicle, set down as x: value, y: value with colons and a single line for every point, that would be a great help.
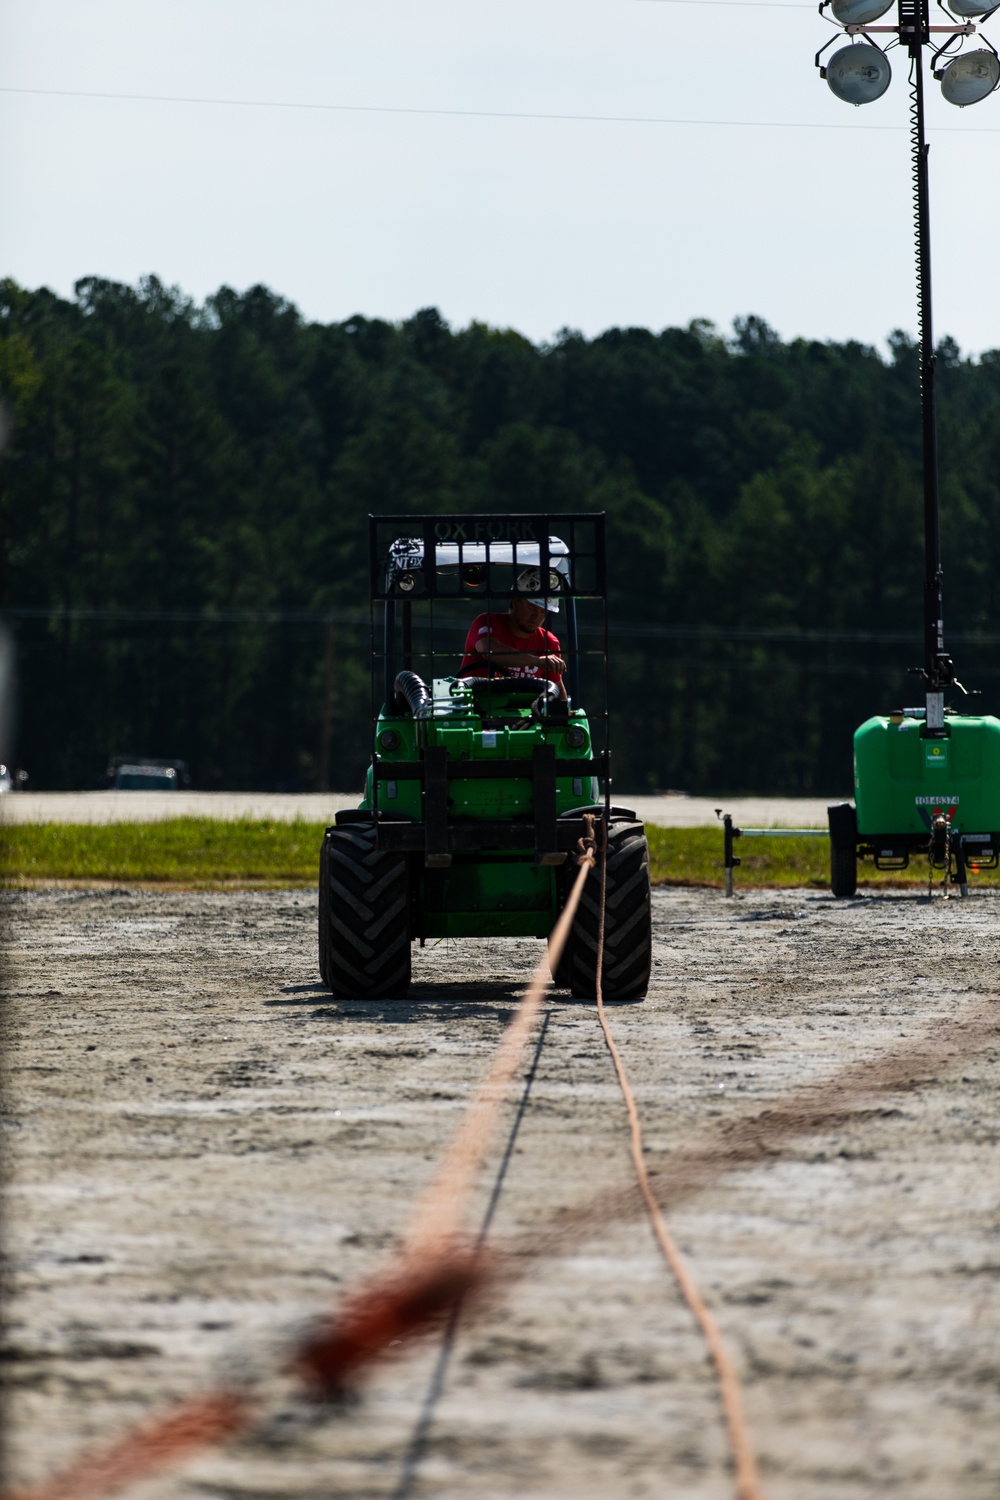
x: 11, y: 780
x: 133, y: 773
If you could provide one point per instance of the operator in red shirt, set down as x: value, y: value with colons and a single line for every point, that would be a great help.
x: 516, y: 644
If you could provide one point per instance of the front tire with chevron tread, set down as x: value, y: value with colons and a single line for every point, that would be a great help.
x: 365, y: 919
x: 628, y: 922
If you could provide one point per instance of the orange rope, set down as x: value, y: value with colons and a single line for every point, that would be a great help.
x: 438, y: 1214
x: 433, y: 1275
x: 164, y: 1440
x: 747, y: 1485
x: 397, y: 1307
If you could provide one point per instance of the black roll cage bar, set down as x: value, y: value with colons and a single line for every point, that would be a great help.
x: 466, y: 550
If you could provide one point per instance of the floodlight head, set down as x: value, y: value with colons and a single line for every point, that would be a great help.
x: 970, y: 77
x: 970, y: 7
x: 863, y: 12
x: 858, y: 74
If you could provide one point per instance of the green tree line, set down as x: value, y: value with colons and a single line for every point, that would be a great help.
x: 171, y: 470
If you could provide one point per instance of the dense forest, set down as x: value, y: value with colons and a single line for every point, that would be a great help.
x: 185, y: 488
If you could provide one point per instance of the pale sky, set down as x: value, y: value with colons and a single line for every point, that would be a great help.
x: 789, y: 204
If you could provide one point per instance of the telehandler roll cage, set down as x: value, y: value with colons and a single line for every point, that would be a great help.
x: 458, y: 566
x: 478, y: 793
x: 476, y: 560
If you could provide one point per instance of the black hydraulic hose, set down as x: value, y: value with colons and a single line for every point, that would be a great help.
x: 414, y: 691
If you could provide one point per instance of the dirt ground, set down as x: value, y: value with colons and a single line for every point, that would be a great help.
x: 670, y: 810
x: 205, y: 1151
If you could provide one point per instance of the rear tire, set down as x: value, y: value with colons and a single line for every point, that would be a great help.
x: 628, y: 922
x: 843, y: 871
x: 324, y: 912
x: 367, y: 923
x: 843, y: 821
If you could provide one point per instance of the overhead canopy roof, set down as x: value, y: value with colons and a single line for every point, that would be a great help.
x: 470, y: 556
x: 407, y: 553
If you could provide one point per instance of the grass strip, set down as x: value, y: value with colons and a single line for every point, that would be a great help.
x: 207, y: 852
x: 187, y: 851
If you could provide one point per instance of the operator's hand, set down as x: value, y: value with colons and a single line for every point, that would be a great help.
x: 551, y: 664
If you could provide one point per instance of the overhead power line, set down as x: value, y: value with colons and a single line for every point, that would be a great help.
x: 191, y: 616
x: 478, y: 114
x: 739, y: 4
x: 636, y: 629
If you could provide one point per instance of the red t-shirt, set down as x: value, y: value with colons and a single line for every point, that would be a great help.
x: 500, y: 627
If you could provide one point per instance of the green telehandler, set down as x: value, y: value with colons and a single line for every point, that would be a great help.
x: 480, y: 779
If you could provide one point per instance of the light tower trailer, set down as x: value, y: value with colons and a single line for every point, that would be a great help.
x: 926, y: 779
x: 477, y: 789
x: 921, y: 787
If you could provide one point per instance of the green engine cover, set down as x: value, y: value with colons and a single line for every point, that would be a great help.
x: 454, y: 723
x: 490, y: 892
x: 902, y: 776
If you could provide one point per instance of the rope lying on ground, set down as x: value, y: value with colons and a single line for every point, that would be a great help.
x: 465, y: 1157
x: 435, y: 1270
x: 405, y: 1302
x: 747, y: 1486
x: 150, y: 1447
x: 438, y: 1215
x: 433, y: 1273
x: 420, y: 1436
x: 760, y: 1139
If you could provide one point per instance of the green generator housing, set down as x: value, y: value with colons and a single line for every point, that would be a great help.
x: 920, y: 791
x: 903, y: 775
